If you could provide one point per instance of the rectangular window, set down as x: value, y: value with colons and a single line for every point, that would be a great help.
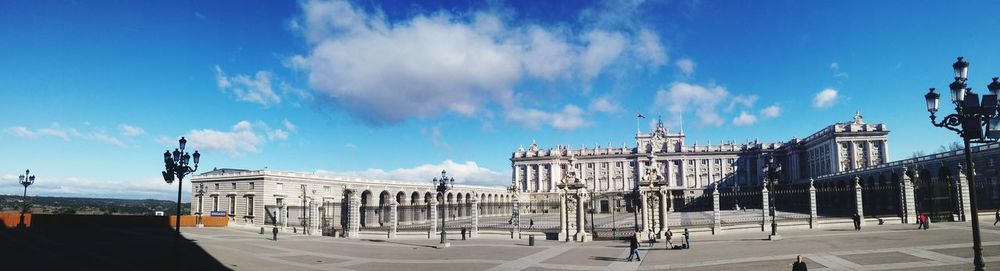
x: 718, y: 161
x: 326, y: 189
x: 215, y: 203
x: 280, y: 187
x: 234, y: 186
x: 704, y: 162
x: 249, y: 206
x: 251, y: 186
x: 232, y: 205
x: 278, y: 201
x: 216, y: 186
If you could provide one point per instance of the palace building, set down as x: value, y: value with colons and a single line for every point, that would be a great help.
x: 690, y: 169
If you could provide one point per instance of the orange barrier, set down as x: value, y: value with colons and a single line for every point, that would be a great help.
x: 10, y: 220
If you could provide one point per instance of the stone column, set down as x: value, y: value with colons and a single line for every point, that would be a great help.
x: 716, y: 214
x: 581, y: 233
x: 859, y: 202
x: 765, y: 217
x: 670, y: 198
x: 813, y: 218
x: 314, y: 218
x: 283, y: 214
x: 962, y: 184
x: 563, y: 221
x: 908, y: 201
x: 433, y: 220
x: 393, y: 218
x: 515, y: 214
x: 353, y: 215
x: 644, y: 205
x: 475, y: 217
x: 663, y: 214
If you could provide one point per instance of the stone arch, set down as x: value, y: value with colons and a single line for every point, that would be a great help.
x: 384, y: 199
x: 459, y: 208
x: 366, y: 203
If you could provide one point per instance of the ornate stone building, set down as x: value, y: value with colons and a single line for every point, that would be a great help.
x: 690, y: 169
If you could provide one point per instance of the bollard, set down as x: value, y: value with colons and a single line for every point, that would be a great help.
x: 531, y: 240
x: 261, y: 230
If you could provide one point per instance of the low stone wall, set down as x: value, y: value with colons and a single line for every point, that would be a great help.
x: 10, y: 220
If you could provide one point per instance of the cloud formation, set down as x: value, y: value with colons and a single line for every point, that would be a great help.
x: 683, y: 97
x: 256, y: 89
x: 686, y: 66
x: 825, y: 98
x: 744, y: 119
x: 772, y: 111
x: 570, y: 118
x: 143, y: 188
x: 468, y: 172
x: 129, y: 130
x: 54, y: 130
x: 386, y: 72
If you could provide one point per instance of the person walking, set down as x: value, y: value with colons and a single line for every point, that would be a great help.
x: 650, y: 237
x: 274, y: 232
x: 531, y: 223
x: 799, y: 265
x: 927, y: 222
x: 687, y: 239
x: 920, y: 221
x: 857, y: 221
x: 670, y: 236
x: 633, y: 246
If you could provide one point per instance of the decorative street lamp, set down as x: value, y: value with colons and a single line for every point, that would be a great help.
x: 969, y: 120
x: 177, y: 166
x: 772, y: 170
x: 442, y: 187
x: 26, y: 180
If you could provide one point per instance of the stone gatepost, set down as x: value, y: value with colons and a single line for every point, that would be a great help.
x: 353, y: 215
x: 475, y: 218
x: 283, y: 215
x: 563, y: 220
x: 716, y: 214
x: 859, y: 206
x: 393, y: 218
x: 644, y: 204
x: 581, y: 233
x: 765, y: 218
x: 433, y: 220
x: 813, y: 218
x: 515, y: 216
x: 314, y: 218
x: 962, y: 184
x: 908, y: 201
x: 664, y: 215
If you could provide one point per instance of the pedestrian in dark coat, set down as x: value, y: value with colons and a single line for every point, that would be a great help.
x: 633, y: 247
x: 687, y: 238
x: 998, y: 218
x: 799, y: 265
x: 274, y: 231
x: 857, y: 221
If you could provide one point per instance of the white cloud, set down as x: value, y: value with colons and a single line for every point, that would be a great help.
x: 742, y: 100
x: 649, y: 47
x: 682, y: 97
x: 466, y: 173
x: 835, y: 67
x: 744, y: 119
x: 240, y: 138
x: 289, y: 125
x: 102, y: 137
x: 277, y: 134
x: 570, y: 118
x: 772, y: 111
x: 686, y: 66
x: 54, y: 130
x: 603, y: 104
x: 256, y: 89
x: 129, y: 130
x: 386, y: 72
x: 825, y: 98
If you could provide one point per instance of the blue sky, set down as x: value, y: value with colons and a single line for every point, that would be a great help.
x: 96, y: 90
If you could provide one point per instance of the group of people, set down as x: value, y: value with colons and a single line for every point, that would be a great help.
x: 923, y: 222
x: 634, y: 242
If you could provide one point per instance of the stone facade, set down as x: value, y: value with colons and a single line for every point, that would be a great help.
x: 692, y: 169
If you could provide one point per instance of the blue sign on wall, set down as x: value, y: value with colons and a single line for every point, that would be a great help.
x: 217, y: 213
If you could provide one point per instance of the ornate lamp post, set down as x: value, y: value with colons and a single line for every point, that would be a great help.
x: 772, y: 170
x: 26, y: 180
x: 177, y: 166
x: 442, y: 186
x: 969, y: 120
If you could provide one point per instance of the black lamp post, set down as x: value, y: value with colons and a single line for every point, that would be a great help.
x: 442, y: 187
x: 26, y: 180
x: 968, y: 121
x: 772, y: 170
x: 177, y: 166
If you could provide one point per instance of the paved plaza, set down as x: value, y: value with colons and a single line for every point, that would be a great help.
x: 945, y: 246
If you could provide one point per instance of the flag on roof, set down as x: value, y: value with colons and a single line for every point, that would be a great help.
x: 639, y: 115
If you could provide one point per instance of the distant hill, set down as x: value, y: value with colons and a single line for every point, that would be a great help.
x: 91, y: 206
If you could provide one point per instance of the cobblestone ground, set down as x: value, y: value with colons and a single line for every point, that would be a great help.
x: 946, y: 246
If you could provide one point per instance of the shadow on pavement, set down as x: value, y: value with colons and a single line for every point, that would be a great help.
x: 607, y: 259
x: 398, y: 243
x: 47, y: 244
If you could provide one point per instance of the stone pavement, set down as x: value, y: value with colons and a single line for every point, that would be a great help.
x: 946, y: 246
